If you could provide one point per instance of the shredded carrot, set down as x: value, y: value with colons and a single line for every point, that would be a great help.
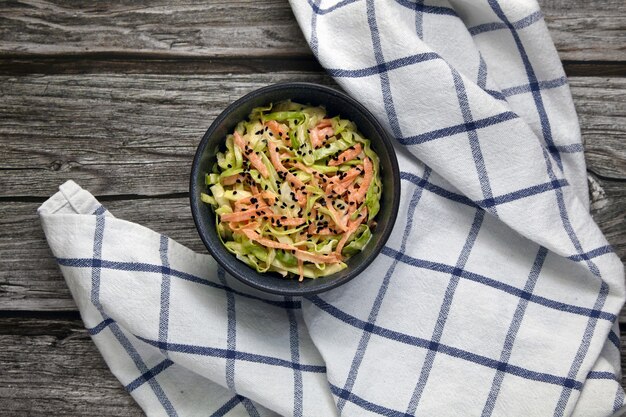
x: 287, y: 221
x: 365, y: 184
x: 252, y: 235
x: 251, y: 225
x: 269, y: 196
x: 280, y: 131
x: 318, y: 135
x: 347, y: 155
x: 316, y: 257
x: 335, y: 216
x: 244, y: 202
x: 241, y: 215
x: 340, y: 185
x: 352, y: 226
x: 275, y: 159
x: 252, y: 156
x: 232, y: 179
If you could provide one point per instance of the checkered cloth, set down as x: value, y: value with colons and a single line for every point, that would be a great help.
x: 496, y: 295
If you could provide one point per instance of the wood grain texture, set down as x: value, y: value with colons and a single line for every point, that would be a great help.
x: 602, y: 116
x: 30, y: 279
x: 587, y: 30
x: 582, y: 30
x: 114, y: 134
x: 51, y: 367
x: 61, y: 350
x: 136, y: 134
x: 157, y: 28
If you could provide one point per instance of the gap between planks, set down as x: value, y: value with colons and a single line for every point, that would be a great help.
x: 155, y: 63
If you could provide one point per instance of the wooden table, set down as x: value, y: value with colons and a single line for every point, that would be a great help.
x: 117, y: 96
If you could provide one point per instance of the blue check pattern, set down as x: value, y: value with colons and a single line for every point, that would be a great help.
x: 401, y: 50
x: 494, y: 287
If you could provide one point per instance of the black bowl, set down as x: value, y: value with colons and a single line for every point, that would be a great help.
x: 336, y: 103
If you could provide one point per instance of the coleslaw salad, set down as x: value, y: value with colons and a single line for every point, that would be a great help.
x: 294, y: 191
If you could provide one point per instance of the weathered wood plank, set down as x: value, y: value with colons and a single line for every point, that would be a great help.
x: 107, y: 64
x: 51, y: 367
x: 602, y: 115
x: 193, y: 28
x: 128, y: 134
x: 60, y: 350
x: 136, y: 134
x: 582, y: 30
x: 30, y: 279
x: 587, y: 30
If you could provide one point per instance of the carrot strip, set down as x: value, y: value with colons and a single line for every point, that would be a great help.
x: 275, y: 159
x: 280, y: 131
x: 232, y: 179
x: 241, y: 215
x: 252, y: 235
x: 347, y: 155
x: 365, y: 184
x: 340, y: 185
x: 300, y: 254
x: 316, y: 257
x: 253, y: 157
x: 318, y: 135
x: 352, y: 226
x: 289, y: 221
x: 335, y: 215
x: 270, y: 196
x: 240, y: 204
x: 251, y: 225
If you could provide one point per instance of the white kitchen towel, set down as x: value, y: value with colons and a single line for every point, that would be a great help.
x: 496, y: 295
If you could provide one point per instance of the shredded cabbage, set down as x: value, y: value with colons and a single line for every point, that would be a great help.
x: 294, y: 191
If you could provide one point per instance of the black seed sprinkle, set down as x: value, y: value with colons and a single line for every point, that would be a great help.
x: 229, y: 166
x: 234, y: 192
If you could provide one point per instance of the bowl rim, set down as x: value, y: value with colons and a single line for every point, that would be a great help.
x: 353, y: 271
